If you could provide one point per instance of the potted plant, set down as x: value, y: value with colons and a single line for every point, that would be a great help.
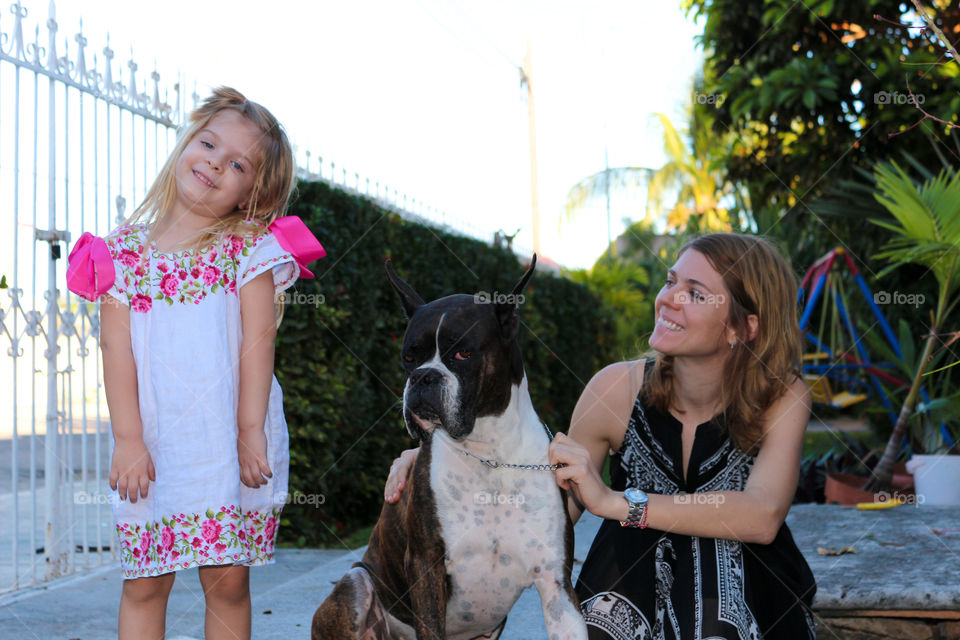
x: 926, y: 232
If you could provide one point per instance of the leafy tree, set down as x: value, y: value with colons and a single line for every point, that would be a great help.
x: 623, y: 289
x: 805, y: 93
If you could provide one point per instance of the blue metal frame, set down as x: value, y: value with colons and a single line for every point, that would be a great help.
x: 848, y: 324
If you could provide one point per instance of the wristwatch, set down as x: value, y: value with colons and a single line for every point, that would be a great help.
x: 637, y: 516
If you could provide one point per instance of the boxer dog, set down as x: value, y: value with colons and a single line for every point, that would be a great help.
x: 481, y: 517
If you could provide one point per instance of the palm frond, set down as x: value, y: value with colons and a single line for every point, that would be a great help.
x: 597, y: 185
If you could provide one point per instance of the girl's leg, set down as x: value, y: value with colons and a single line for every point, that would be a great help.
x: 226, y: 589
x: 143, y: 608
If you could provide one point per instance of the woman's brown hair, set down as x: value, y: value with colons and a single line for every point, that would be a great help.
x: 757, y: 372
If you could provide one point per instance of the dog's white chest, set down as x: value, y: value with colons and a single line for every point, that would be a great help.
x: 502, y: 528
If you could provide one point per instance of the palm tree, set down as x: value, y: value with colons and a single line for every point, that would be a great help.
x: 688, y: 175
x: 927, y: 232
x: 604, y: 182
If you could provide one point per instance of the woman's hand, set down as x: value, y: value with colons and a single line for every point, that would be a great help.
x: 252, y: 455
x: 131, y: 468
x: 399, y: 471
x: 579, y: 474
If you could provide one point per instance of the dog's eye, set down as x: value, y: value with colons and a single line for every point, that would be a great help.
x: 408, y: 358
x: 461, y: 355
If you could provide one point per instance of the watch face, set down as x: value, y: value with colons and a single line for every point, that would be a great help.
x: 634, y: 495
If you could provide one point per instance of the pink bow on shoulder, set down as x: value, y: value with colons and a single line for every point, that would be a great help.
x: 295, y: 237
x: 90, y: 271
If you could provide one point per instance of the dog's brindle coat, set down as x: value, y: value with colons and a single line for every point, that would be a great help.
x: 439, y: 564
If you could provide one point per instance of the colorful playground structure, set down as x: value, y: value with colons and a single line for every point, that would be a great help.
x: 839, y: 371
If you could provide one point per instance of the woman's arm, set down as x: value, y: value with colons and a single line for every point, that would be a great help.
x: 131, y: 468
x: 752, y: 515
x: 599, y: 421
x: 256, y: 375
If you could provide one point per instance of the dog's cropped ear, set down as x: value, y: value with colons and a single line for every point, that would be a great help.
x: 408, y: 297
x: 508, y: 312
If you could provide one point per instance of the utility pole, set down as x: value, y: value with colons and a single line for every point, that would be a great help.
x: 606, y: 184
x: 526, y: 73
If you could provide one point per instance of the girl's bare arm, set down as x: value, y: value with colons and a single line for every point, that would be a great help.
x: 256, y: 374
x: 131, y: 468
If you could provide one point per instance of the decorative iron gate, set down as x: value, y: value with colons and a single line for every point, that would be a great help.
x: 76, y: 146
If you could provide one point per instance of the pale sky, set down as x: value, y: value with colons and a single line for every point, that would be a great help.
x: 424, y: 95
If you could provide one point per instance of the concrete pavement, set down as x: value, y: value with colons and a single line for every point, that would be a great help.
x: 284, y: 594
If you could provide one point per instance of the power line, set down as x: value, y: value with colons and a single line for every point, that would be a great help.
x: 465, y: 44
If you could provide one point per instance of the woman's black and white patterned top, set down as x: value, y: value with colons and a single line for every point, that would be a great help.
x: 648, y: 584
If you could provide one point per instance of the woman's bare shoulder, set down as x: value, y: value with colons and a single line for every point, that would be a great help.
x: 607, y: 401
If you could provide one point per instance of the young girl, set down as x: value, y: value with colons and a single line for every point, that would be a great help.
x: 200, y: 453
x: 705, y: 441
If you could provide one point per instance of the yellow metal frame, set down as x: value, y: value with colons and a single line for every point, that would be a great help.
x: 821, y: 393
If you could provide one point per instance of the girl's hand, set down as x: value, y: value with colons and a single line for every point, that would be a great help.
x: 579, y: 474
x: 399, y: 471
x: 131, y: 468
x: 252, y: 455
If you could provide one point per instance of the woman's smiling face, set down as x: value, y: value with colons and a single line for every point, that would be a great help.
x: 691, y: 309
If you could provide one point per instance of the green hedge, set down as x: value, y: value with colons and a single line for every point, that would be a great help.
x: 338, y: 351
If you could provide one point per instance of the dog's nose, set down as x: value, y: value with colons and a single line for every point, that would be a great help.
x: 426, y: 377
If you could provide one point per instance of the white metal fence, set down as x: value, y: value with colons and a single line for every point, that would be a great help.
x: 77, y: 144
x: 78, y: 148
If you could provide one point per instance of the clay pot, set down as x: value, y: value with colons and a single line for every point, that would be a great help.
x: 845, y: 488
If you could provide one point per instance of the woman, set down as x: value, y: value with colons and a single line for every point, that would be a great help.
x: 710, y: 432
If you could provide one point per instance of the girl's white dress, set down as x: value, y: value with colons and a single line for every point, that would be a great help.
x: 186, y: 334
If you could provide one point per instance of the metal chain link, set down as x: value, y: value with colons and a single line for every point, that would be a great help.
x: 494, y: 464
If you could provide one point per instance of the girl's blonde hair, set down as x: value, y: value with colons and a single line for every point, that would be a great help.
x: 272, y: 186
x: 757, y: 372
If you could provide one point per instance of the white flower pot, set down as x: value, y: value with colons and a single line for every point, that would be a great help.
x: 936, y: 478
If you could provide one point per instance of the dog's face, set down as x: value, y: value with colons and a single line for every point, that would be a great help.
x: 461, y: 357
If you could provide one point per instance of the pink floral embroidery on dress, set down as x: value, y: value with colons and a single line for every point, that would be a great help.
x: 184, y: 277
x: 182, y: 541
